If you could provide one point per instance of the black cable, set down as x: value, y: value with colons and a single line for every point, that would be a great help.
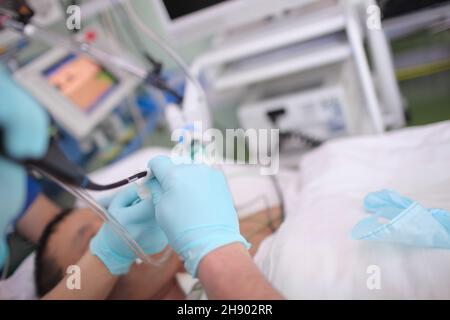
x: 56, y: 164
x: 97, y: 187
x: 74, y: 3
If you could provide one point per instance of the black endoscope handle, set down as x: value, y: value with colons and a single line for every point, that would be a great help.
x: 53, y: 162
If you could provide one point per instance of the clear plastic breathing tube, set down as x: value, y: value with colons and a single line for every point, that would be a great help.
x: 112, y: 222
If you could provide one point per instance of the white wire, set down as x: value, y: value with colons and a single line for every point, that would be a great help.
x: 175, y: 57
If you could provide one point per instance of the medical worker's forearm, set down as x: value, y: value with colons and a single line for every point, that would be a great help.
x: 95, y: 279
x: 230, y: 273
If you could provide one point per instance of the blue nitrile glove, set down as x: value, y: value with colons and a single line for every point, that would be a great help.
x: 443, y: 217
x: 23, y: 125
x: 138, y: 218
x: 194, y: 208
x: 406, y: 221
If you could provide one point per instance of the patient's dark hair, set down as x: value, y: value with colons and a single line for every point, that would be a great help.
x: 47, y: 273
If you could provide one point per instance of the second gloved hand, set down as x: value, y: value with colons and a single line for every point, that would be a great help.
x: 138, y: 218
x: 194, y: 208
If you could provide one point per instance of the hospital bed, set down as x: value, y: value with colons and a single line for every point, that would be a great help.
x: 312, y: 255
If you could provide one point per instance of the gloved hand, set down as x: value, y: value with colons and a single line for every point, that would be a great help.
x: 407, y: 221
x: 443, y: 217
x: 138, y: 218
x: 194, y: 208
x: 23, y: 126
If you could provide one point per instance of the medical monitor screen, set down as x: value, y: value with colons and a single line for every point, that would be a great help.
x: 179, y: 8
x: 81, y: 80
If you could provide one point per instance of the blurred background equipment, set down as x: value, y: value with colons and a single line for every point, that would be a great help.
x: 315, y: 69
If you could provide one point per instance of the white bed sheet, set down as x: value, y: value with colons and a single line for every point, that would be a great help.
x: 312, y: 255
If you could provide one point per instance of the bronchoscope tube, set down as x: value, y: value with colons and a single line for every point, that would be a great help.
x: 112, y: 222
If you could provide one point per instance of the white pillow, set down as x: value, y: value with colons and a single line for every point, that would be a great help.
x: 312, y: 255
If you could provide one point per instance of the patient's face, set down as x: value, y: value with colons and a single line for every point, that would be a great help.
x: 71, y: 240
x: 72, y: 236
